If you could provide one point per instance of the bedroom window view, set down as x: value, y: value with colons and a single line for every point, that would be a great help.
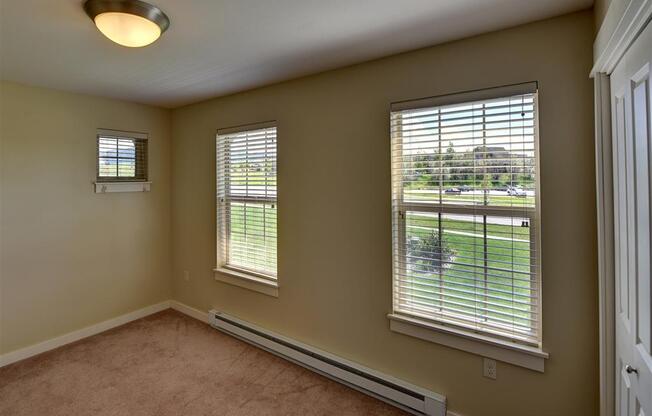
x: 246, y: 200
x: 121, y: 159
x: 465, y: 216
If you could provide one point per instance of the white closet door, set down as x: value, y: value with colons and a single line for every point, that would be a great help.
x: 631, y: 93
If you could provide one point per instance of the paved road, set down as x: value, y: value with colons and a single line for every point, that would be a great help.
x: 511, y: 221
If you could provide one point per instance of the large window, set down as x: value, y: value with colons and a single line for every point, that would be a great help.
x: 465, y: 213
x: 246, y: 200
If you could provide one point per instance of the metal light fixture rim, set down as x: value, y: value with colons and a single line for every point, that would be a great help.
x: 93, y: 8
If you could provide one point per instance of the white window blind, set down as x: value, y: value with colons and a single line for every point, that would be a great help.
x: 247, y: 199
x: 465, y: 212
x: 121, y: 156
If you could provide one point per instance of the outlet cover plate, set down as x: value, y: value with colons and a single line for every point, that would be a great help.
x: 489, y: 368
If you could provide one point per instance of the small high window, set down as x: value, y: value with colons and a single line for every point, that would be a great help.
x: 121, y: 156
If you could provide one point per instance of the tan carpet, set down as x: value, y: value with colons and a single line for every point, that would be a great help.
x: 170, y: 364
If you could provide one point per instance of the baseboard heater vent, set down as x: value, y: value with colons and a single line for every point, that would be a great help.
x: 398, y: 393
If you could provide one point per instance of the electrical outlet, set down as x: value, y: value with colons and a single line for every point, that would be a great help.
x: 186, y: 275
x: 489, y: 368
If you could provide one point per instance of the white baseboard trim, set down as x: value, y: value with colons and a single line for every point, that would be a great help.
x: 189, y: 310
x: 41, y: 347
x: 203, y: 317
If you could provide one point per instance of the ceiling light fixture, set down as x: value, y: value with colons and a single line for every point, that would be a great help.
x: 131, y: 23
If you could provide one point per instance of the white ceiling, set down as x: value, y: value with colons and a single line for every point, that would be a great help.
x: 217, y: 47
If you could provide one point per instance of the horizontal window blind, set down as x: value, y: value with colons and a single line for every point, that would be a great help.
x: 121, y: 157
x: 247, y: 199
x: 464, y: 199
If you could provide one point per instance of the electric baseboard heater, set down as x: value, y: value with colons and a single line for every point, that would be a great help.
x: 398, y: 393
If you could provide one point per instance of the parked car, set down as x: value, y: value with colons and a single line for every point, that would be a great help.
x: 453, y: 191
x: 513, y: 191
x: 464, y: 188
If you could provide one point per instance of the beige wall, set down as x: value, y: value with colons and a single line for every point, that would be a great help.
x: 600, y: 8
x: 71, y: 258
x: 335, y: 224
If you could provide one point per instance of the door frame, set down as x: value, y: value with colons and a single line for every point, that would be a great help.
x: 624, y: 21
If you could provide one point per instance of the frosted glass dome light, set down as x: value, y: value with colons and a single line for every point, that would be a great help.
x: 130, y: 23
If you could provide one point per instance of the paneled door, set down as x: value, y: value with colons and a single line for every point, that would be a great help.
x: 631, y: 92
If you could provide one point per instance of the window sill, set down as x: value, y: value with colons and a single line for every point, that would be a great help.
x: 246, y: 281
x: 513, y: 353
x: 108, y: 187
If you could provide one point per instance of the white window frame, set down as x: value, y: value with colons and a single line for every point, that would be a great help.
x: 223, y: 272
x: 126, y: 185
x: 438, y: 331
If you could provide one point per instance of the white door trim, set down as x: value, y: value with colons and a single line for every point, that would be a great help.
x: 605, y: 228
x: 611, y: 43
x: 609, y: 47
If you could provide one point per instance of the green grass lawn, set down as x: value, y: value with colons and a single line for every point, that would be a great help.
x: 472, y: 199
x: 468, y: 282
x: 253, y: 237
